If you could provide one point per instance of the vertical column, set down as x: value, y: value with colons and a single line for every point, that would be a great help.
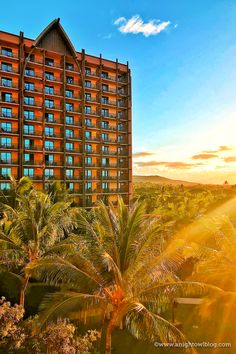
x: 100, y: 124
x: 22, y: 64
x: 129, y: 133
x: 64, y: 118
x: 43, y: 120
x: 117, y: 131
x: 83, y: 124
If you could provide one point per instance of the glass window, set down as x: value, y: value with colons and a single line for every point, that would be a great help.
x: 48, y: 172
x: 69, y: 120
x: 88, y: 83
x: 49, y: 76
x: 49, y: 145
x: 88, y: 96
x: 49, y: 62
x: 71, y: 186
x: 6, y: 67
x: 29, y: 72
x: 69, y: 107
x: 105, y: 173
x: 6, y: 51
x: 49, y: 103
x: 69, y: 66
x: 49, y: 117
x: 69, y: 173
x: 49, y: 131
x: 87, y: 71
x: 29, y: 115
x: 69, y: 133
x: 6, y: 82
x: 88, y: 109
x: 104, y: 75
x: 105, y: 112
x: 49, y: 90
x: 105, y: 161
x: 69, y: 160
x: 26, y: 157
x: 69, y: 93
x: 29, y: 86
x: 6, y: 142
x: 69, y: 146
x: 105, y: 136
x: 88, y: 186
x: 105, y: 100
x: 6, y: 171
x: 88, y: 161
x: 29, y: 100
x: 27, y: 143
x: 69, y: 80
x: 5, y: 186
x: 6, y: 112
x: 28, y: 129
x: 88, y: 122
x: 88, y: 173
x: 105, y: 125
x: 105, y: 87
x: 49, y: 159
x: 105, y: 185
x: 5, y: 157
x: 6, y: 97
x: 88, y: 135
x: 28, y: 172
x: 6, y: 127
x: 88, y: 147
x: 105, y: 149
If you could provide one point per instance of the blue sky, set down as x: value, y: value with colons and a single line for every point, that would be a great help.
x: 184, y: 77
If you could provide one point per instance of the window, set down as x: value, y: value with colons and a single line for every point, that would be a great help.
x: 120, y: 127
x: 48, y: 172
x: 49, y: 90
x: 29, y: 86
x: 6, y: 142
x: 105, y: 100
x: 87, y: 71
x: 49, y: 76
x: 105, y: 149
x: 120, y: 115
x: 49, y: 145
x: 105, y: 161
x: 26, y: 158
x: 88, y: 186
x: 88, y: 96
x: 28, y: 172
x: 49, y: 131
x: 6, y: 67
x: 69, y: 120
x: 71, y: 186
x: 29, y: 72
x: 27, y: 143
x: 88, y: 161
x: 69, y: 146
x: 120, y: 103
x: 29, y: 115
x: 6, y: 127
x: 6, y: 171
x: 88, y: 109
x: 69, y: 80
x: 69, y: 160
x: 105, y: 125
x: 105, y: 173
x: 6, y: 51
x: 6, y: 82
x: 88, y: 122
x: 105, y: 136
x: 69, y: 173
x: 88, y: 135
x: 49, y: 117
x: 69, y: 107
x: 104, y: 87
x: 104, y: 75
x: 88, y: 173
x: 4, y: 186
x: 69, y: 66
x: 5, y: 157
x: 105, y: 185
x: 105, y: 112
x: 88, y: 147
x: 49, y: 62
x: 88, y: 83
x: 6, y: 97
x: 28, y: 129
x: 69, y: 133
x: 49, y: 103
x: 69, y: 93
x: 49, y: 159
x: 120, y: 138
x: 32, y: 57
x: 6, y: 112
x: 29, y: 100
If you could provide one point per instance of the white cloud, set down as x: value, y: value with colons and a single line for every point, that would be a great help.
x: 136, y: 25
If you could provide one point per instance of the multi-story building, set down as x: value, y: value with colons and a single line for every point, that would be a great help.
x: 64, y: 115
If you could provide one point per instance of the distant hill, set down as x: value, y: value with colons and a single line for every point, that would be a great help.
x: 161, y: 180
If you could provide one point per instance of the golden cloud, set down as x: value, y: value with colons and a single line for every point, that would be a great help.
x: 143, y: 154
x: 172, y: 164
x: 230, y: 159
x: 204, y: 156
x: 221, y: 149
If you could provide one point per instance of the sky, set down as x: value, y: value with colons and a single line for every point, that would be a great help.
x: 182, y: 55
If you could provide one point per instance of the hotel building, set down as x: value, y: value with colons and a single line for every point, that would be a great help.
x: 64, y: 115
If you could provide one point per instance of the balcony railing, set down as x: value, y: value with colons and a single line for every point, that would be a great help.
x: 4, y: 53
x: 8, y: 115
x: 9, y: 70
x: 33, y: 148
x: 10, y: 131
x: 8, y: 85
x: 9, y: 146
x: 8, y: 162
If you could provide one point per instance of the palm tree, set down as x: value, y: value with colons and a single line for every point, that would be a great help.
x: 18, y: 188
x: 59, y: 192
x: 122, y: 271
x: 32, y: 231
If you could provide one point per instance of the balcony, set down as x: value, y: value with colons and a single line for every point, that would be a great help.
x: 32, y: 133
x: 91, y: 112
x: 73, y: 178
x: 11, y: 100
x: 33, y: 119
x: 9, y: 146
x: 9, y: 131
x: 108, y: 115
x: 109, y: 153
x: 8, y: 115
x: 109, y: 177
x: 91, y: 99
x: 33, y: 75
x: 109, y: 103
x: 9, y: 162
x: 91, y: 73
x: 4, y: 177
x: 32, y: 163
x: 90, y: 190
x: 9, y: 70
x: 92, y: 138
x: 33, y: 148
x: 9, y: 54
x: 53, y: 163
x: 111, y: 90
x: 108, y: 77
x: 33, y: 103
x: 109, y: 190
x: 91, y: 87
x: 53, y: 149
x: 8, y: 85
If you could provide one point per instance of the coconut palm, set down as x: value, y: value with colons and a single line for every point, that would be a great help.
x: 18, y: 188
x: 120, y: 271
x: 32, y: 231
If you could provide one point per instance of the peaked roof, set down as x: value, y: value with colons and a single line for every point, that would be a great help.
x: 54, y: 38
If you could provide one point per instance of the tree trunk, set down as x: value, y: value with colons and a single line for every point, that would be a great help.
x: 108, y: 337
x: 22, y: 290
